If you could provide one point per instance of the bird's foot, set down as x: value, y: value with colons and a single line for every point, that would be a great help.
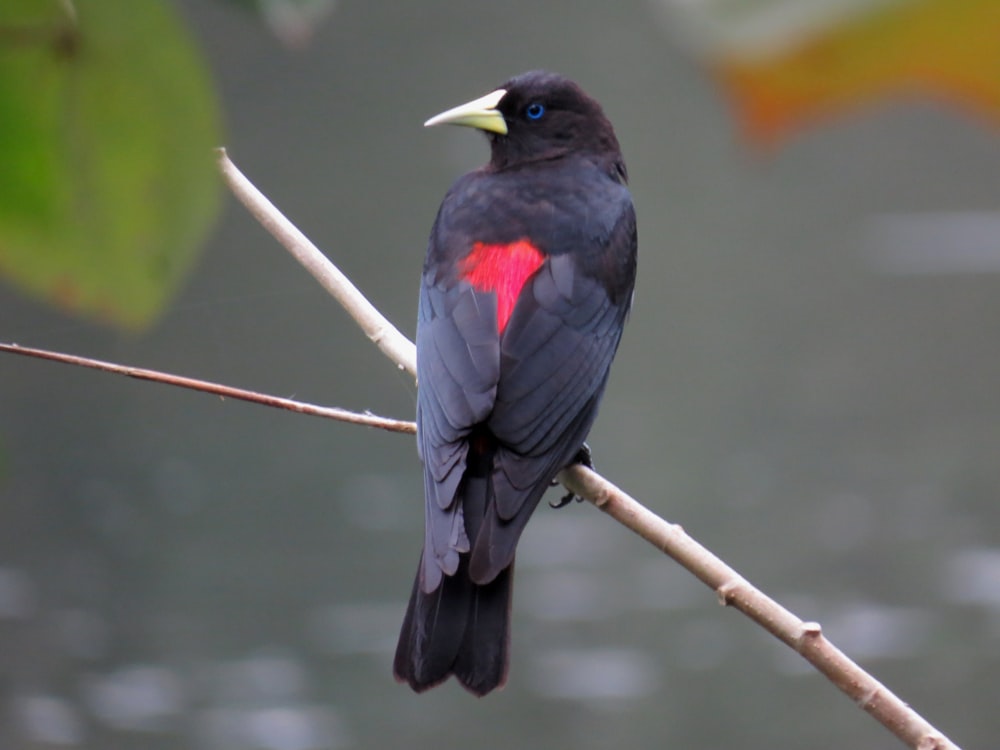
x: 583, y: 457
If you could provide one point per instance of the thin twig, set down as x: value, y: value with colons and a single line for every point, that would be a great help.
x: 733, y: 590
x: 329, y: 412
x: 375, y: 326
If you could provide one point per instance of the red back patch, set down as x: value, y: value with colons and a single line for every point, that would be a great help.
x: 502, y: 269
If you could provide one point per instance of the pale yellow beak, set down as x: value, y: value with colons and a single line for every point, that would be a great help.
x: 481, y: 113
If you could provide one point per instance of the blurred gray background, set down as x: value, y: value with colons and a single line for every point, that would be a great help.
x: 808, y: 384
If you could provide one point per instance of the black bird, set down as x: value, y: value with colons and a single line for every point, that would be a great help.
x: 527, y: 282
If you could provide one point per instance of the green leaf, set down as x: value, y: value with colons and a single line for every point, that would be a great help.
x: 107, y: 175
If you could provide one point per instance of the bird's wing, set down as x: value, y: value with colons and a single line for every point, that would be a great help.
x: 554, y: 360
x: 458, y: 364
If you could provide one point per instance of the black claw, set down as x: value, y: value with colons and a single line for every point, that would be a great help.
x: 564, y: 501
x: 584, y: 457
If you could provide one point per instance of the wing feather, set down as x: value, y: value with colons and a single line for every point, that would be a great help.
x: 458, y: 362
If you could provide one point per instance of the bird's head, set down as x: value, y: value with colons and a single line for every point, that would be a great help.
x: 539, y: 116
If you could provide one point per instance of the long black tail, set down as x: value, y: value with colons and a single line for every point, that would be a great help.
x: 461, y: 629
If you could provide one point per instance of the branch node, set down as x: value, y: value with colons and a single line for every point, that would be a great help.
x: 867, y: 699
x: 811, y: 630
x: 727, y: 591
x: 932, y: 742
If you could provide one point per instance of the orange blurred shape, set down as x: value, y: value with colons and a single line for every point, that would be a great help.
x: 946, y: 50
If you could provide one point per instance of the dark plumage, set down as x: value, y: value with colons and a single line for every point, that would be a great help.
x: 526, y: 285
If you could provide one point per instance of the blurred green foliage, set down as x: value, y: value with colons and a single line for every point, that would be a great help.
x: 107, y: 123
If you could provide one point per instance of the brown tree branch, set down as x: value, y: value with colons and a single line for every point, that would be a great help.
x: 733, y: 590
x: 226, y: 391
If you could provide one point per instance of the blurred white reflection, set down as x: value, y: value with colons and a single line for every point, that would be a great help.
x: 271, y: 728
x: 259, y: 703
x: 972, y: 576
x: 934, y: 243
x: 755, y: 27
x: 46, y: 720
x: 262, y: 677
x: 864, y: 631
x: 593, y: 675
x: 872, y: 631
x: 138, y: 698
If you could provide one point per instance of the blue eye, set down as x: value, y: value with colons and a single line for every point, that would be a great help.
x: 534, y: 111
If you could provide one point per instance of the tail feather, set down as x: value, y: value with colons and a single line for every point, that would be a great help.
x: 482, y: 661
x: 460, y: 628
